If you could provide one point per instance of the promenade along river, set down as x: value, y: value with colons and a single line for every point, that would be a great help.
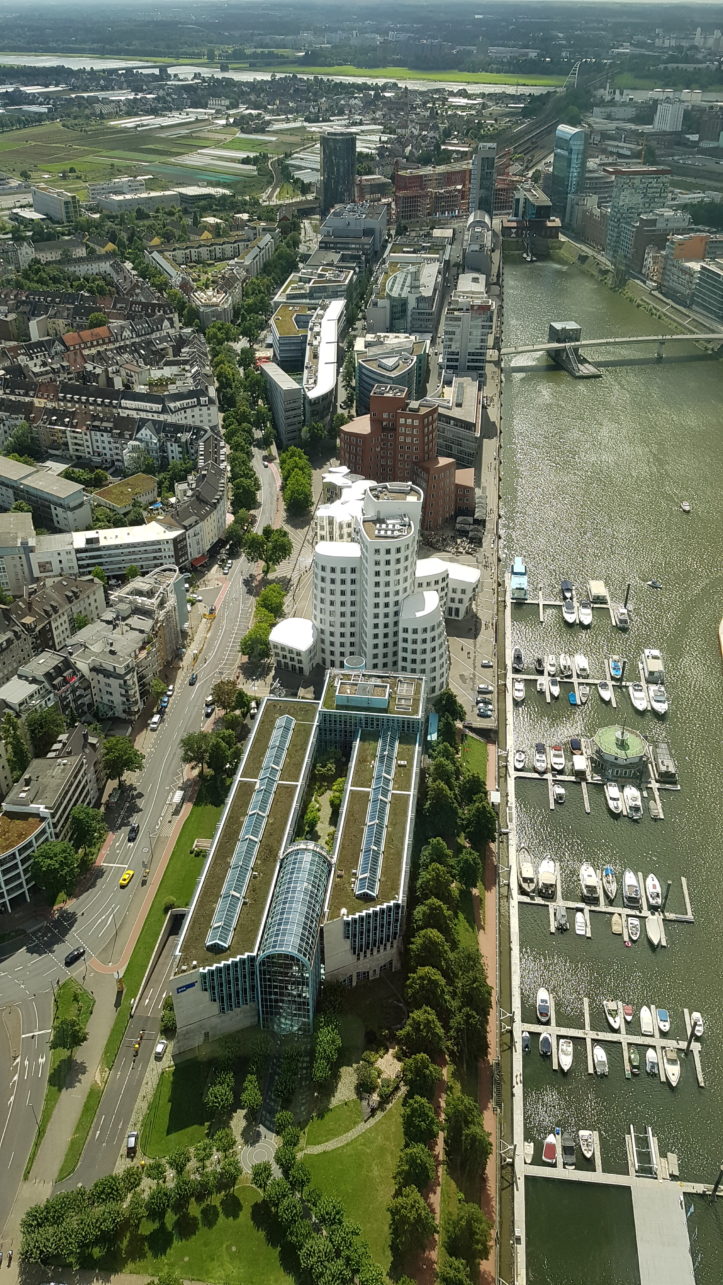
x: 593, y: 475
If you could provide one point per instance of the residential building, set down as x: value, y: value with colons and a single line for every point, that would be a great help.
x: 54, y: 674
x: 482, y: 179
x: 408, y: 296
x: 15, y: 645
x: 708, y: 296
x: 256, y: 958
x: 432, y: 192
x: 55, y: 501
x: 478, y: 243
x: 16, y: 533
x: 397, y: 359
x: 21, y: 696
x: 116, y: 548
x: 120, y: 497
x: 637, y: 189
x: 61, y: 207
x: 568, y: 168
x: 643, y: 230
x: 669, y: 116
x: 286, y: 400
x: 202, y: 516
x: 363, y: 574
x: 315, y: 285
x: 19, y: 837
x: 48, y: 611
x: 460, y: 412
x: 338, y: 170
x: 468, y: 324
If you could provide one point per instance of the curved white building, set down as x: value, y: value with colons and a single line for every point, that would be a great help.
x: 423, y: 645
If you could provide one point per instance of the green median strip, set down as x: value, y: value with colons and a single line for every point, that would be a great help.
x: 72, y: 1001
x: 175, y: 889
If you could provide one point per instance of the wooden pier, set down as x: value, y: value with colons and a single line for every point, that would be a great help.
x: 603, y: 907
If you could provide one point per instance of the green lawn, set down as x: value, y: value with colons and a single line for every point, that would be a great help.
x: 177, y: 884
x: 361, y: 1176
x: 71, y: 1000
x: 474, y: 755
x: 251, y: 145
x: 407, y: 73
x: 220, y: 1243
x: 334, y: 1122
x: 176, y: 1116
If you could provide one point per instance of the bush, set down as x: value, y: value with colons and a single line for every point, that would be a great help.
x: 367, y: 1078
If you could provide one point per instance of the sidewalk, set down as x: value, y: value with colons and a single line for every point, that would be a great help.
x: 486, y: 918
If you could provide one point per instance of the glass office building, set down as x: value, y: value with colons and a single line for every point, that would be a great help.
x: 568, y: 168
x: 338, y: 170
x: 288, y: 965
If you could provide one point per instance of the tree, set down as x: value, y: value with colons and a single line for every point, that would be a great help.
x: 327, y: 1047
x: 132, y: 571
x: 278, y: 547
x: 20, y: 506
x: 437, y: 852
x: 87, y: 827
x: 254, y: 546
x: 454, y: 1272
x: 223, y: 752
x: 434, y: 914
x: 426, y: 987
x: 218, y: 1095
x: 410, y: 1220
x: 55, y: 867
x: 166, y: 1276
x: 99, y: 574
x: 447, y: 703
x: 422, y: 1033
x: 367, y: 1078
x: 479, y: 823
x: 120, y: 755
x: 97, y: 319
x: 18, y: 754
x: 68, y: 1033
x: 297, y: 495
x: 44, y: 727
x: 271, y: 599
x: 224, y: 693
x: 195, y: 748
x: 468, y: 1234
x: 79, y: 622
x: 468, y: 1144
x: 228, y: 1174
x: 441, y: 808
x: 251, y: 1097
x: 261, y: 1174
x: 421, y: 1076
x: 435, y: 882
x: 428, y: 948
x: 158, y: 688
x: 469, y: 867
x: 415, y: 1167
x: 419, y: 1122
x: 179, y: 1160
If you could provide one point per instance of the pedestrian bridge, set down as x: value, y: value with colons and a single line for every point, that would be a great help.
x: 714, y: 339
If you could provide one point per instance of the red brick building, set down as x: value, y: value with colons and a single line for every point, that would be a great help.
x: 397, y: 442
x: 433, y: 191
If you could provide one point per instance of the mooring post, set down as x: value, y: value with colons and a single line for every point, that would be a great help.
x: 668, y: 886
x: 717, y: 1183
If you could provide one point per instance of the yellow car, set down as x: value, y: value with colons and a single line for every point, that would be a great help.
x: 125, y: 878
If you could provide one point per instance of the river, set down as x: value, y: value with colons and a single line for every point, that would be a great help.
x: 593, y: 475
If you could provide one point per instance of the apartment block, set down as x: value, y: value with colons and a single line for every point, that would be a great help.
x: 48, y: 611
x: 432, y: 192
x: 286, y: 399
x: 637, y: 189
x: 55, y: 204
x: 396, y: 359
x: 468, y: 325
x: 55, y: 501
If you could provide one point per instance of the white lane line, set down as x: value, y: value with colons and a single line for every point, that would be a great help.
x: 29, y: 1034
x: 100, y: 1126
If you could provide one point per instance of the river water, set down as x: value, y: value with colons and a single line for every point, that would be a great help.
x: 593, y: 475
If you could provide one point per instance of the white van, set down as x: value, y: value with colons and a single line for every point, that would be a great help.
x: 155, y: 723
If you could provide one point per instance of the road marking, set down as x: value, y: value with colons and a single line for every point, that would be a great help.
x: 29, y: 1034
x: 27, y: 1064
x: 100, y: 1126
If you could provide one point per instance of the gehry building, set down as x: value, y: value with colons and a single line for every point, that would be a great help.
x: 371, y: 596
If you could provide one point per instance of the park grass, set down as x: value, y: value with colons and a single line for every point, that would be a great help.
x: 223, y: 1243
x: 177, y: 885
x: 474, y: 755
x: 361, y: 1176
x: 71, y: 1000
x: 334, y: 1123
x: 176, y: 1116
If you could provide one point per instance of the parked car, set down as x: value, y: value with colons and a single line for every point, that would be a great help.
x: 193, y: 680
x: 170, y: 690
x: 133, y: 832
x: 74, y: 955
x: 226, y: 570
x: 484, y: 689
x: 163, y: 702
x: 155, y: 723
x: 160, y: 1049
x: 131, y: 1145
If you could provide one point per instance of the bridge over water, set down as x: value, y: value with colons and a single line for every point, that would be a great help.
x: 713, y: 340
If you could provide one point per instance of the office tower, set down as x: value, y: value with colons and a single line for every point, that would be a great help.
x: 638, y: 189
x: 338, y: 170
x: 669, y: 116
x: 568, y: 168
x: 482, y: 193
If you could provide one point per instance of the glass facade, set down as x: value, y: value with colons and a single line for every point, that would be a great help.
x: 288, y: 966
x: 568, y: 168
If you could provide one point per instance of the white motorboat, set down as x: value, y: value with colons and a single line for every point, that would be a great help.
x: 551, y: 664
x: 518, y: 691
x: 540, y: 760
x: 582, y: 667
x: 622, y: 616
x: 526, y: 876
x: 580, y: 924
x: 612, y: 1013
x: 564, y: 1055
x: 547, y: 877
x: 565, y: 664
x: 589, y: 883
x: 615, y: 665
x: 686, y: 506
x: 542, y: 1005
x: 583, y: 693
x: 568, y: 1150
x: 569, y: 612
x: 557, y: 758
x: 586, y: 1138
x: 633, y: 802
x: 651, y: 1062
x: 549, y: 1149
x: 609, y: 883
x: 671, y: 1066
x: 584, y: 613
x: 696, y: 1021
x: 613, y: 797
x: 628, y: 1012
x: 605, y: 691
x: 520, y: 760
x: 653, y: 891
x: 638, y: 697
x: 662, y: 1017
x: 646, y: 1021
x: 529, y: 1152
x: 554, y: 686
x: 633, y: 928
x: 631, y: 888
x: 658, y: 698
x: 540, y: 685
x: 600, y: 1059
x: 653, y: 930
x: 544, y: 1044
x: 558, y: 792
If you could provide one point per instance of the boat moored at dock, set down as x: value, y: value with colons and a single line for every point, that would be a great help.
x: 565, y: 1054
x: 613, y: 797
x: 615, y: 665
x: 609, y: 883
x: 646, y: 1021
x: 526, y: 876
x: 586, y: 1138
x: 651, y: 1062
x: 543, y: 1005
x: 658, y: 698
x: 584, y: 613
x: 663, y: 1019
x: 653, y: 930
x: 612, y: 1013
x: 547, y: 877
x: 653, y: 891
x: 569, y: 612
x: 600, y: 1059
x: 568, y: 1150
x: 549, y: 1149
x: 638, y: 697
x: 582, y: 667
x: 605, y: 691
x: 671, y: 1066
x: 633, y: 802
x: 589, y: 884
x: 518, y: 691
x: 631, y: 888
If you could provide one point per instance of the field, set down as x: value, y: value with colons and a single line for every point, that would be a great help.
x: 51, y: 149
x: 406, y: 73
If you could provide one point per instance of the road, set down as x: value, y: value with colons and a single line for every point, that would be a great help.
x: 103, y: 918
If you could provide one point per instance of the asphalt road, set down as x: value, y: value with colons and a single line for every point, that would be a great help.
x: 102, y: 917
